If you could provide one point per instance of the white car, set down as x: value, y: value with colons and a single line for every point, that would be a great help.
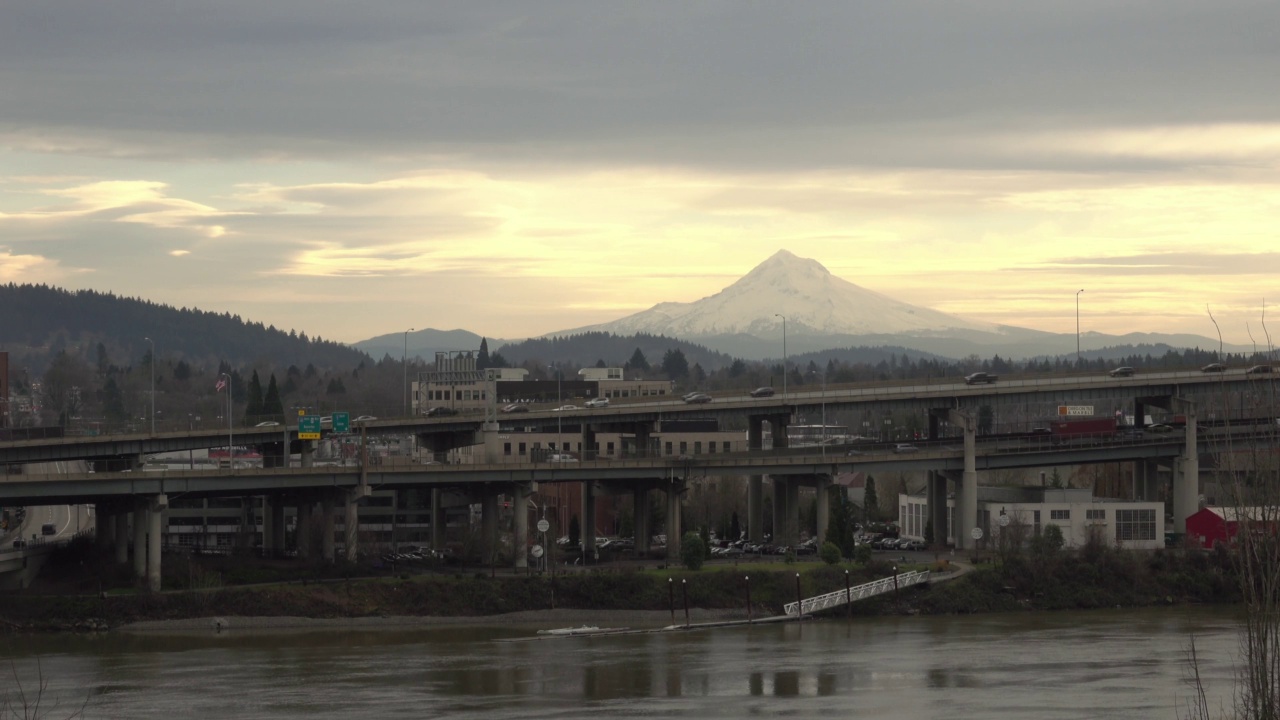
x: 268, y: 423
x: 562, y: 458
x: 566, y: 408
x: 597, y: 402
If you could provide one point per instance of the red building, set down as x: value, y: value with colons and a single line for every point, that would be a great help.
x: 1213, y: 525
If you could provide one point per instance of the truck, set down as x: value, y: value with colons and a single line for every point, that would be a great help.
x: 1082, y: 428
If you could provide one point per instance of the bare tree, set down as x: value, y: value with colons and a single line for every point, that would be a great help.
x: 24, y: 702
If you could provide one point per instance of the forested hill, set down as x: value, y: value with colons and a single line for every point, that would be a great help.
x: 37, y: 321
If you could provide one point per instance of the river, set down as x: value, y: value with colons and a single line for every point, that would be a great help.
x: 1033, y: 666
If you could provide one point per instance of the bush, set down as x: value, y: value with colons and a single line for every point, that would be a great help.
x: 692, y: 551
x: 830, y: 553
x: 862, y: 554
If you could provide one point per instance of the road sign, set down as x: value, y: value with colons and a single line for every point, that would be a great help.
x: 543, y: 525
x: 341, y: 422
x: 1003, y: 521
x: 1074, y: 410
x: 976, y: 533
x: 309, y: 427
x: 536, y: 551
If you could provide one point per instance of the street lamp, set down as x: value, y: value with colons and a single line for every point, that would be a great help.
x: 153, y: 385
x: 784, y: 354
x: 231, y: 448
x: 559, y: 400
x: 405, y: 362
x: 1078, y: 327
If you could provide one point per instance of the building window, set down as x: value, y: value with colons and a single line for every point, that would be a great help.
x: 684, y: 448
x: 609, y: 449
x: 1135, y: 525
x: 697, y: 447
x: 726, y: 446
x: 711, y: 447
x: 1059, y: 514
x: 506, y: 449
x: 1036, y: 525
x: 1095, y: 514
x: 668, y: 448
x: 522, y: 450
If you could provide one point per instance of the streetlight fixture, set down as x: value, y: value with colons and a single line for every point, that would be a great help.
x: 784, y: 354
x: 231, y: 448
x: 153, y: 384
x: 405, y: 361
x: 1078, y: 327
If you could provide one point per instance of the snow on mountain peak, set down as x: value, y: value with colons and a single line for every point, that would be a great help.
x: 812, y: 299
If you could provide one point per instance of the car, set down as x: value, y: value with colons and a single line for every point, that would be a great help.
x: 269, y: 423
x: 597, y: 402
x: 326, y: 421
x: 853, y: 453
x: 911, y: 545
x: 562, y: 458
x: 762, y: 392
x: 1123, y: 371
x: 1041, y: 431
x: 980, y: 378
x: 689, y: 394
x: 905, y: 448
x: 440, y: 411
x: 1214, y: 367
x: 365, y: 418
x: 566, y: 408
x: 1260, y: 370
x: 697, y: 398
x: 515, y: 408
x: 1160, y: 428
x: 19, y: 544
x: 48, y: 529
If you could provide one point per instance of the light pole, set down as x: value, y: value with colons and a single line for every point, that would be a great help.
x: 405, y: 361
x: 559, y: 399
x: 153, y: 384
x: 784, y: 354
x: 231, y: 448
x: 1078, y: 327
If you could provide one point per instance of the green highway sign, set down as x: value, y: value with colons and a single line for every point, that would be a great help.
x: 341, y: 422
x: 309, y: 427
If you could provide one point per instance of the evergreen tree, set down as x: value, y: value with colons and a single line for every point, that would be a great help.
x: 638, y: 361
x: 674, y: 364
x: 871, y: 503
x: 113, y: 401
x: 482, y: 358
x: 271, y: 404
x: 253, y: 406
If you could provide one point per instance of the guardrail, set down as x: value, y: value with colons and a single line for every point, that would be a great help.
x: 861, y: 592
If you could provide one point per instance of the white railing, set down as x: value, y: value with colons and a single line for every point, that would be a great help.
x: 860, y: 592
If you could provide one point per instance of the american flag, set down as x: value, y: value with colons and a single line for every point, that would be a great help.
x: 221, y: 384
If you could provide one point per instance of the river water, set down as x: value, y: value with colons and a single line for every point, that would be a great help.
x: 1101, y: 664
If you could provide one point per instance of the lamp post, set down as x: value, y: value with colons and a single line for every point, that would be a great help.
x: 405, y: 362
x: 231, y: 448
x: 1078, y: 327
x: 153, y: 384
x: 559, y: 400
x: 784, y: 354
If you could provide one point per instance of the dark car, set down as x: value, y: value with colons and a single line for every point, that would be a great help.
x: 762, y: 392
x: 979, y: 378
x: 440, y: 412
x: 1260, y: 370
x: 697, y: 398
x: 1160, y: 428
x: 1124, y: 371
x: 1214, y: 367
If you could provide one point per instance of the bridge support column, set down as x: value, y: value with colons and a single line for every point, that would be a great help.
x: 640, y: 519
x: 793, y: 513
x: 302, y: 535
x: 351, y: 520
x: 755, y: 483
x: 268, y: 525
x: 966, y: 511
x: 488, y: 524
x: 936, y: 497
x: 589, y: 443
x: 306, y: 452
x: 120, y: 518
x: 437, y: 520
x: 588, y: 521
x: 140, y: 522
x: 102, y: 530
x: 277, y: 526
x: 520, y: 524
x: 155, y: 507
x: 1186, y: 481
x: 674, y: 490
x: 779, y: 510
x: 328, y: 543
x: 642, y: 431
x: 823, y: 489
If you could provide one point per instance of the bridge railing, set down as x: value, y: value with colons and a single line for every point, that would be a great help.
x: 866, y: 590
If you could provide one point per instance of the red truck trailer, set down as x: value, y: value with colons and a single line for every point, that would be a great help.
x: 1083, y: 427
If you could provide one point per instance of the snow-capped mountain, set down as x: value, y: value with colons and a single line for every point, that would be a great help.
x: 813, y: 301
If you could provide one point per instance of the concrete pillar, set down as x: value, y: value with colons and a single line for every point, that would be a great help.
x: 1186, y: 484
x: 755, y: 433
x: 269, y: 548
x: 437, y: 520
x: 755, y: 508
x: 120, y: 521
x: 102, y: 525
x: 640, y: 519
x: 351, y: 523
x: 302, y: 535
x: 306, y: 451
x: 520, y: 524
x: 823, y: 488
x: 328, y: 544
x: 778, y: 424
x: 140, y: 522
x: 488, y: 524
x: 779, y: 510
x: 588, y: 442
x: 156, y: 506
x: 936, y: 496
x: 588, y: 522
x: 277, y: 526
x: 674, y: 490
x: 793, y: 513
x: 966, y: 512
x: 643, y: 431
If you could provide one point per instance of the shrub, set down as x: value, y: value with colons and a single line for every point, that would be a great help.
x: 862, y: 554
x: 830, y: 553
x: 692, y: 551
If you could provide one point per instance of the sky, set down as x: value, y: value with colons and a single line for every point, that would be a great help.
x: 517, y: 168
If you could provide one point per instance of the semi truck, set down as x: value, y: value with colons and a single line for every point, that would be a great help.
x: 1082, y: 428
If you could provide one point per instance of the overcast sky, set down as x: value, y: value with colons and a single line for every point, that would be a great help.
x: 352, y: 169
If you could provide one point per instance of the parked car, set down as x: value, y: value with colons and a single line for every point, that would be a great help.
x: 1160, y: 428
x: 1124, y: 371
x: 905, y: 448
x: 697, y: 398
x: 562, y: 458
x: 1214, y: 367
x: 515, y: 408
x: 440, y: 411
x: 911, y: 545
x: 1260, y: 370
x: 980, y: 378
x: 268, y: 423
x: 762, y: 392
x: 597, y: 402
x: 566, y: 408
